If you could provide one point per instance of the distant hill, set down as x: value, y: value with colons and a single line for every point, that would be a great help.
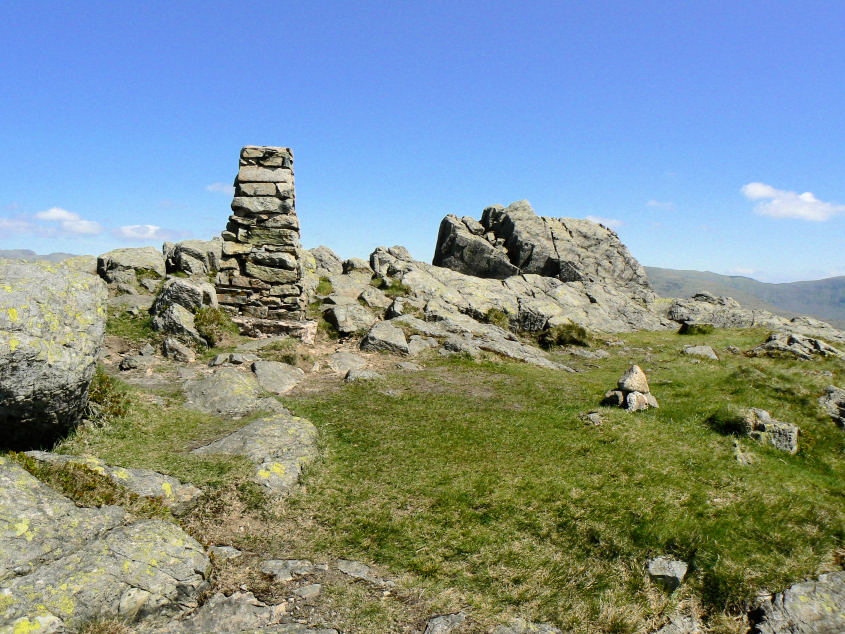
x: 30, y: 256
x: 824, y: 299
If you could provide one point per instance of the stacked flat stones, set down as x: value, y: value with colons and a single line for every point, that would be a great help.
x: 260, y: 276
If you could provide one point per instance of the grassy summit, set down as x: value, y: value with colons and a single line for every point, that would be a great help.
x: 477, y: 487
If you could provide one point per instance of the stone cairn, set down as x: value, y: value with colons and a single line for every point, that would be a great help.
x: 260, y: 277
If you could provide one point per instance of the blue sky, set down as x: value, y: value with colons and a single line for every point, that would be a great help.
x: 710, y: 134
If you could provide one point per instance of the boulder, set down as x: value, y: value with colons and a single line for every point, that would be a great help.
x: 667, y: 571
x: 357, y: 265
x: 763, y: 428
x: 632, y: 392
x: 285, y: 570
x: 193, y: 257
x: 275, y: 377
x: 833, y: 403
x: 445, y: 623
x: 280, y: 445
x: 326, y: 261
x: 349, y: 318
x: 385, y: 337
x: 459, y: 249
x: 634, y: 380
x: 126, y: 266
x: 225, y: 392
x: 817, y: 605
x: 354, y: 375
x: 178, y: 351
x: 179, y: 321
x: 52, y: 327
x: 190, y: 294
x: 342, y: 361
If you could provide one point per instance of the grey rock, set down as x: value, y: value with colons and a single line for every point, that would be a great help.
x: 225, y: 392
x: 784, y: 343
x: 833, y: 403
x: 121, y: 266
x: 459, y: 345
x: 651, y: 400
x: 219, y: 359
x: 636, y: 401
x: 349, y: 318
x: 667, y: 571
x: 614, y: 398
x: 132, y: 304
x: 69, y: 565
x: 327, y: 263
x: 52, y: 327
x: 816, y: 606
x: 308, y: 592
x: 343, y: 361
x: 194, y: 257
x: 240, y: 358
x: 178, y: 496
x: 592, y: 418
x: 520, y: 352
x: 418, y: 344
x: 148, y: 350
x: 279, y: 378
x: 356, y: 265
x: 281, y: 445
x: 359, y: 570
x: 460, y: 250
x: 681, y: 625
x: 763, y: 428
x: 634, y: 380
x: 189, y: 294
x: 354, y: 375
x: 409, y: 366
x: 375, y: 298
x: 704, y: 352
x: 178, y: 321
x: 385, y: 337
x: 284, y: 570
x: 131, y: 362
x: 174, y: 349
x: 336, y: 299
x: 445, y: 623
x: 224, y: 553
x: 521, y: 626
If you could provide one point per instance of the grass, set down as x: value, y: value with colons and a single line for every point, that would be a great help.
x: 688, y: 328
x: 497, y: 318
x: 392, y: 289
x: 476, y: 486
x: 324, y: 287
x: 215, y: 326
x: 291, y: 351
x: 134, y: 328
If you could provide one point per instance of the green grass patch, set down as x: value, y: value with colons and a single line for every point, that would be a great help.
x: 290, y: 351
x: 688, y: 328
x: 497, y: 318
x: 324, y: 287
x: 566, y: 335
x: 215, y: 326
x: 392, y: 289
x: 135, y: 328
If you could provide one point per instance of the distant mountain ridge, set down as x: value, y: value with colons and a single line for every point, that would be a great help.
x: 824, y: 299
x: 31, y: 256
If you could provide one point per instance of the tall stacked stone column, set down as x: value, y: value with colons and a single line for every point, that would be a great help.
x: 259, y: 281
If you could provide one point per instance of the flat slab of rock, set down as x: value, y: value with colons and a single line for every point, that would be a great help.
x: 359, y: 570
x: 61, y: 565
x: 276, y: 377
x: 343, y: 361
x: 362, y: 375
x: 703, y: 352
x: 817, y: 605
x: 445, y: 623
x: 284, y: 570
x: 349, y: 318
x: 147, y: 483
x: 227, y: 392
x: 281, y: 445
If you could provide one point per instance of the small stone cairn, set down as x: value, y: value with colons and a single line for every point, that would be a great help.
x: 260, y: 276
x: 632, y: 392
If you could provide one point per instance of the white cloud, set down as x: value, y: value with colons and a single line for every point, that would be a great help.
x: 607, y: 222
x: 741, y: 271
x: 780, y: 203
x: 221, y: 188
x: 57, y: 214
x: 663, y: 206
x: 141, y: 232
x: 70, y: 222
x: 14, y: 225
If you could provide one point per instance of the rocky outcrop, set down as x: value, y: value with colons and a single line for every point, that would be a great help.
x: 530, y: 302
x: 789, y: 344
x: 833, y: 403
x: 61, y: 565
x: 260, y: 274
x: 128, y: 267
x: 760, y: 426
x: 808, y: 607
x: 193, y: 257
x: 52, y: 325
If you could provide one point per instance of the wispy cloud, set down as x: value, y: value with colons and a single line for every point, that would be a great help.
x: 14, y: 225
x: 613, y: 223
x: 780, y: 203
x: 221, y: 188
x: 70, y: 222
x: 662, y: 205
x: 142, y: 232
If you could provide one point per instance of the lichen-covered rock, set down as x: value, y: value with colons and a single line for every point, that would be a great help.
x: 178, y: 351
x: 61, y: 565
x: 459, y: 249
x: 810, y: 607
x: 193, y: 257
x: 326, y: 261
x: 284, y: 570
x: 39, y: 525
x: 225, y: 392
x: 702, y: 351
x: 190, y: 294
x: 52, y: 325
x: 722, y: 312
x: 349, y: 318
x: 763, y: 428
x: 281, y: 445
x: 354, y: 375
x: 667, y: 571
x: 124, y: 266
x: 833, y: 403
x: 147, y: 483
x: 445, y: 623
x: 178, y: 320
